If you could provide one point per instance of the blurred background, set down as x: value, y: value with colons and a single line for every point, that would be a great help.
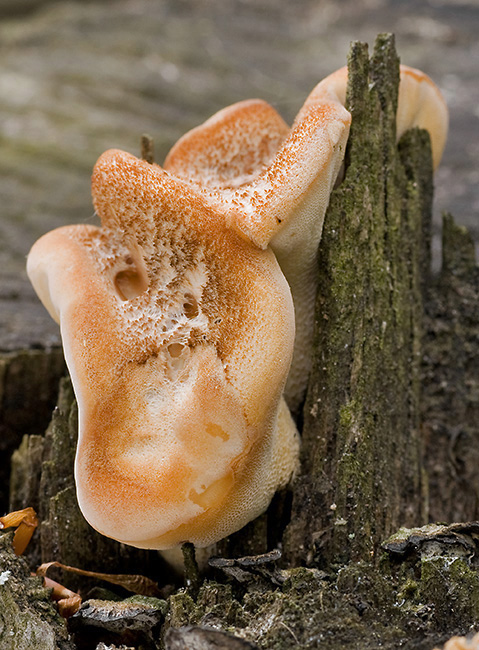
x: 77, y: 78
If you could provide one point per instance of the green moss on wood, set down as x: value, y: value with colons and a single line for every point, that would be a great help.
x: 452, y: 588
x: 361, y: 454
x: 450, y: 379
x: 28, y: 618
x: 458, y: 251
x: 413, y: 603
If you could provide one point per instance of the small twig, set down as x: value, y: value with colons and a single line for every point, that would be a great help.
x: 147, y: 148
x: 192, y: 572
x: 135, y: 583
x: 290, y: 631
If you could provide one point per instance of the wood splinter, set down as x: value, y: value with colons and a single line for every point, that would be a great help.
x: 147, y: 148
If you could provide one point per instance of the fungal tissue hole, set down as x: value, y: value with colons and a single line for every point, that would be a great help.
x: 175, y: 350
x: 176, y: 362
x: 190, y: 306
x: 131, y: 281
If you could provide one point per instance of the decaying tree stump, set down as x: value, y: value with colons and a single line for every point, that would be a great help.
x: 390, y: 434
x: 450, y: 382
x: 28, y: 620
x: 361, y: 473
x: 28, y: 392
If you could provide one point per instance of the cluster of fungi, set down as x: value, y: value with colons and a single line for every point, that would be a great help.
x: 187, y: 317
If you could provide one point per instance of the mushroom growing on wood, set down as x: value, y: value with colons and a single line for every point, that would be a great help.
x: 275, y: 182
x: 177, y: 315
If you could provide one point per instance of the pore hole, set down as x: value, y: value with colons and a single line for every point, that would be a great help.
x: 130, y: 283
x: 190, y: 306
x: 175, y: 349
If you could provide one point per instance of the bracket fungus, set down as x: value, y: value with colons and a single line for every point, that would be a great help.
x: 178, y: 314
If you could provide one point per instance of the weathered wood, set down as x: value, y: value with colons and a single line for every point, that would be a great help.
x: 361, y: 474
x: 28, y: 619
x: 450, y: 404
x: 425, y: 589
x: 28, y: 389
